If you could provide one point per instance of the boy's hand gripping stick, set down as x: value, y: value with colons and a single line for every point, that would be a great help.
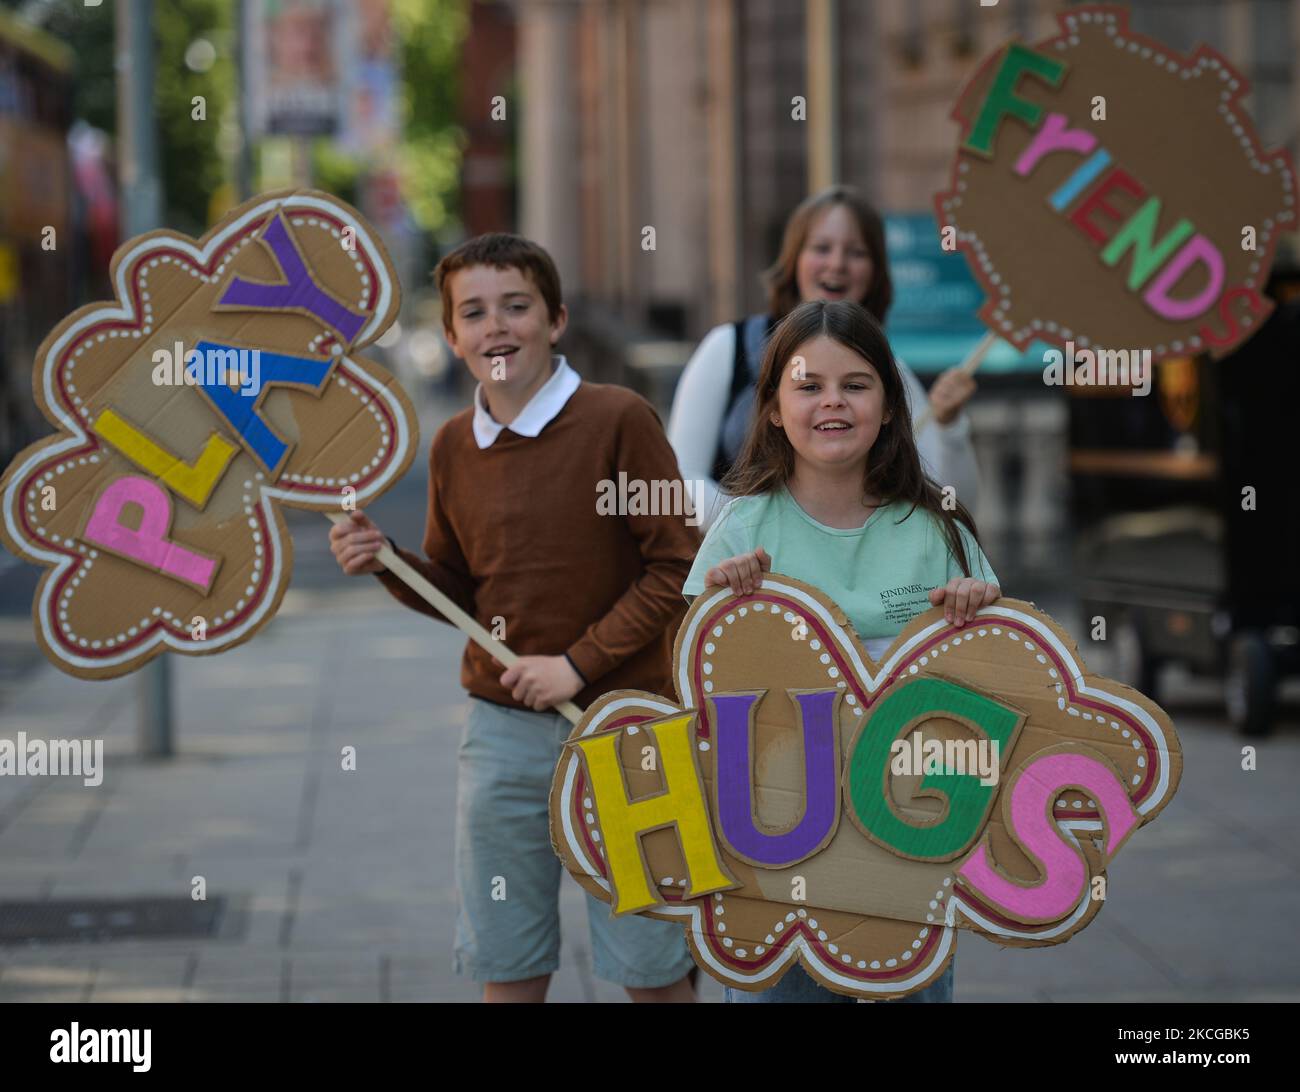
x: 467, y: 625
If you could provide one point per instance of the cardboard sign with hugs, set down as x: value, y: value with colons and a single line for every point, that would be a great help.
x: 222, y: 382
x: 802, y: 802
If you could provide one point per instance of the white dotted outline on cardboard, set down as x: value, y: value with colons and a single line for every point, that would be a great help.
x: 934, y: 652
x: 131, y: 631
x: 146, y: 327
x: 1186, y: 70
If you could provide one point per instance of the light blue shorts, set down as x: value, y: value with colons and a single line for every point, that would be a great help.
x: 508, y: 919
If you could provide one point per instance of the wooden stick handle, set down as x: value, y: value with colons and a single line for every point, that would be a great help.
x: 972, y: 362
x: 467, y: 625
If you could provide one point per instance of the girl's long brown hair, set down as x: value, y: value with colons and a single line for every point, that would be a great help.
x: 781, y: 279
x: 893, y: 470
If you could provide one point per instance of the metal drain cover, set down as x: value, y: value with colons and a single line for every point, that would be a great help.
x: 167, y: 917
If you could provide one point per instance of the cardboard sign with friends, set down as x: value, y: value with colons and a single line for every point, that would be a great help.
x: 802, y: 802
x: 222, y: 382
x: 1110, y: 194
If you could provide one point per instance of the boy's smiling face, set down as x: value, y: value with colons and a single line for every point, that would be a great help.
x: 830, y: 402
x: 500, y: 327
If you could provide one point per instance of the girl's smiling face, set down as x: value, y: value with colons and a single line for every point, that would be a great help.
x: 834, y: 263
x: 831, y: 404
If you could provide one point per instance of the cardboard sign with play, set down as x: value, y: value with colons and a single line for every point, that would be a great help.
x: 802, y: 802
x: 222, y: 382
x: 1111, y: 195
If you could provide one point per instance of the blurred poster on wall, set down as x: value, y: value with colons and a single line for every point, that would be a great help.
x: 296, y: 61
x: 372, y: 121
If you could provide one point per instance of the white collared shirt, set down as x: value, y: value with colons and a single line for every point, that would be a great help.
x: 541, y: 410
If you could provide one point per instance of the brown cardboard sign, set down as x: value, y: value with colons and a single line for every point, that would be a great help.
x: 222, y: 382
x: 800, y: 802
x: 1111, y: 196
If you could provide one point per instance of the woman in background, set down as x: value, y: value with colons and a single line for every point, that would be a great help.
x: 833, y: 249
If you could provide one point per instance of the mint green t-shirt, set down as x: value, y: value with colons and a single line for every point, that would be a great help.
x: 880, y: 574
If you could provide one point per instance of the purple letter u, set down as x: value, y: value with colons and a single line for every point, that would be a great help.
x: 733, y: 716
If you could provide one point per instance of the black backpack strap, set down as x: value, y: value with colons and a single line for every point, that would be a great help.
x: 739, y: 380
x: 739, y: 365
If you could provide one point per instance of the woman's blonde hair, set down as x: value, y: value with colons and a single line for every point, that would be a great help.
x: 893, y: 471
x: 781, y: 278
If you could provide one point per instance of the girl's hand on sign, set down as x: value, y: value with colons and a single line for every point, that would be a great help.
x: 962, y: 596
x: 355, y: 544
x: 949, y: 393
x: 742, y: 573
x: 541, y: 682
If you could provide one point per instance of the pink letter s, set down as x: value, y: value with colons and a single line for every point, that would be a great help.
x: 1033, y: 792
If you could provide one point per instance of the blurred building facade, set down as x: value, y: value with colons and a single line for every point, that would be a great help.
x: 681, y: 116
x: 663, y: 143
x: 487, y: 84
x: 50, y: 233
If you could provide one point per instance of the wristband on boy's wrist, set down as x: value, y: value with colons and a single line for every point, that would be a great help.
x: 576, y: 671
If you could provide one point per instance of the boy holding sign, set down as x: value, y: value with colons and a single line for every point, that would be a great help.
x: 514, y: 536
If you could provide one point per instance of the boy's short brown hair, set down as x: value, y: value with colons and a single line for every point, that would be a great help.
x: 501, y: 250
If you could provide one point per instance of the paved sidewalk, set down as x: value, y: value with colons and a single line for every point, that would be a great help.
x: 344, y: 880
x: 346, y: 877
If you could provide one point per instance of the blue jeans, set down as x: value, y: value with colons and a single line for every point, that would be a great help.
x: 798, y: 987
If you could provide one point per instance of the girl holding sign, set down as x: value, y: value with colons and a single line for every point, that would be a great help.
x: 833, y: 249
x: 829, y: 489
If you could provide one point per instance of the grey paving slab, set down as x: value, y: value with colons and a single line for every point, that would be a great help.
x: 72, y: 953
x: 351, y: 977
x: 429, y: 978
x: 50, y: 825
x: 1095, y: 959
x: 13, y: 790
x: 43, y: 982
x: 248, y: 975
x: 51, y: 955
x: 1198, y: 996
x: 145, y: 879
x: 209, y: 805
x: 234, y: 993
x: 1225, y: 937
x: 25, y: 879
x: 139, y: 978
x: 50, y: 692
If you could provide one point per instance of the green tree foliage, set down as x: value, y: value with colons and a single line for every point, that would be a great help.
x: 429, y: 34
x: 189, y: 162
